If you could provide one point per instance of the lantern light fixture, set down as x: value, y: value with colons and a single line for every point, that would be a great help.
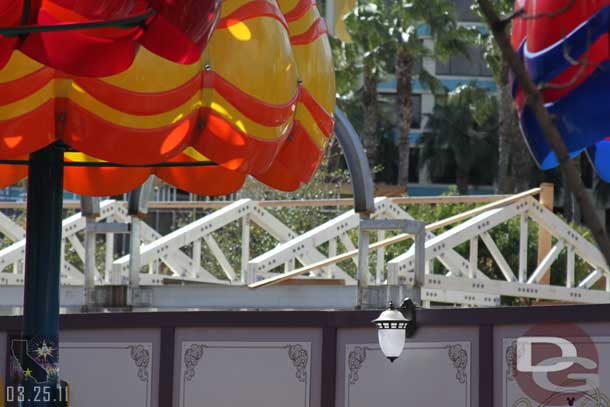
x: 394, y: 326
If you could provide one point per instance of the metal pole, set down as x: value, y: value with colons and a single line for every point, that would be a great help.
x: 42, y: 270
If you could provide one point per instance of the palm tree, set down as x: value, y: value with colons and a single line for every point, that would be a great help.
x: 403, y: 19
x: 386, y: 41
x: 361, y: 65
x: 461, y: 137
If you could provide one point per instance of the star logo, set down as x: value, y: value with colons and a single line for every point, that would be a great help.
x: 44, y: 351
x: 28, y: 373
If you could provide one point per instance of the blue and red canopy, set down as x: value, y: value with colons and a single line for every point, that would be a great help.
x: 566, y: 50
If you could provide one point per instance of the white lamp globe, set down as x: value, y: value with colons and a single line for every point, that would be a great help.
x: 391, y: 326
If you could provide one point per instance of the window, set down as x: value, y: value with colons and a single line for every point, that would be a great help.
x: 472, y: 64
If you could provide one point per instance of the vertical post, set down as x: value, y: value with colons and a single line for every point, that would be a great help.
x: 474, y: 257
x: 547, y: 196
x: 245, y: 248
x: 90, y: 267
x: 90, y: 209
x: 363, y: 266
x: 523, y: 233
x: 420, y: 263
x: 109, y: 256
x: 380, y: 259
x: 134, y: 259
x: 289, y: 266
x: 332, y: 252
x: 137, y: 209
x: 196, y: 268
x: 570, y: 268
x: 42, y: 262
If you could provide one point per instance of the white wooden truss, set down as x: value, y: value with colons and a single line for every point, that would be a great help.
x: 524, y: 283
x: 457, y: 281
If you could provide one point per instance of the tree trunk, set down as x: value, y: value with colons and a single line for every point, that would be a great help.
x: 404, y: 91
x: 462, y: 181
x: 514, y: 161
x: 506, y: 110
x: 521, y: 163
x: 535, y: 101
x: 570, y: 206
x: 370, y: 113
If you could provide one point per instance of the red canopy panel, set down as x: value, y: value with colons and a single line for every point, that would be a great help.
x: 258, y: 100
x: 177, y: 30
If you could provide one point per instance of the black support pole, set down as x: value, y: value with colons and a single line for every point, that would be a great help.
x: 39, y: 348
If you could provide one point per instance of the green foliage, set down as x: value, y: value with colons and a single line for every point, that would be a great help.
x: 380, y: 27
x: 461, y: 136
x: 485, y: 39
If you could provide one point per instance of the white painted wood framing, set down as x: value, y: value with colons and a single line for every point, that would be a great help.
x: 70, y: 275
x: 460, y: 281
x: 339, y: 227
x: 246, y: 211
x: 400, y: 268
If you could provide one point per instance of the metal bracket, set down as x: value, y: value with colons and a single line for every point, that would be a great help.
x: 411, y: 227
x: 90, y: 206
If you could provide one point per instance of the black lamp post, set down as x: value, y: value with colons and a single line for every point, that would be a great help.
x: 394, y: 326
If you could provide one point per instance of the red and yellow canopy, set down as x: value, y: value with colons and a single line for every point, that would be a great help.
x: 248, y: 85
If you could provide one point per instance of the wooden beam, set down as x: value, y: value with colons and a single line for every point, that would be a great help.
x: 349, y: 245
x: 77, y: 246
x: 288, y: 203
x: 220, y: 257
x: 546, y: 263
x: 570, y: 268
x: 523, y: 234
x: 498, y: 257
x: 591, y: 279
x: 473, y: 257
x: 245, y: 247
x: 379, y: 268
x: 547, y: 196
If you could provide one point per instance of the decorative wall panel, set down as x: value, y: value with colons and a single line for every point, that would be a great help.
x: 414, y: 379
x: 228, y: 367
x: 103, y: 373
x: 227, y: 374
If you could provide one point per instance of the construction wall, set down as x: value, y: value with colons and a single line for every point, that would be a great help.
x: 458, y: 357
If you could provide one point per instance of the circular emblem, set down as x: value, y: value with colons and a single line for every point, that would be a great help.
x: 555, y: 364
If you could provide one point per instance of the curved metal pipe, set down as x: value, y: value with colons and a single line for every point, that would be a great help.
x: 357, y: 163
